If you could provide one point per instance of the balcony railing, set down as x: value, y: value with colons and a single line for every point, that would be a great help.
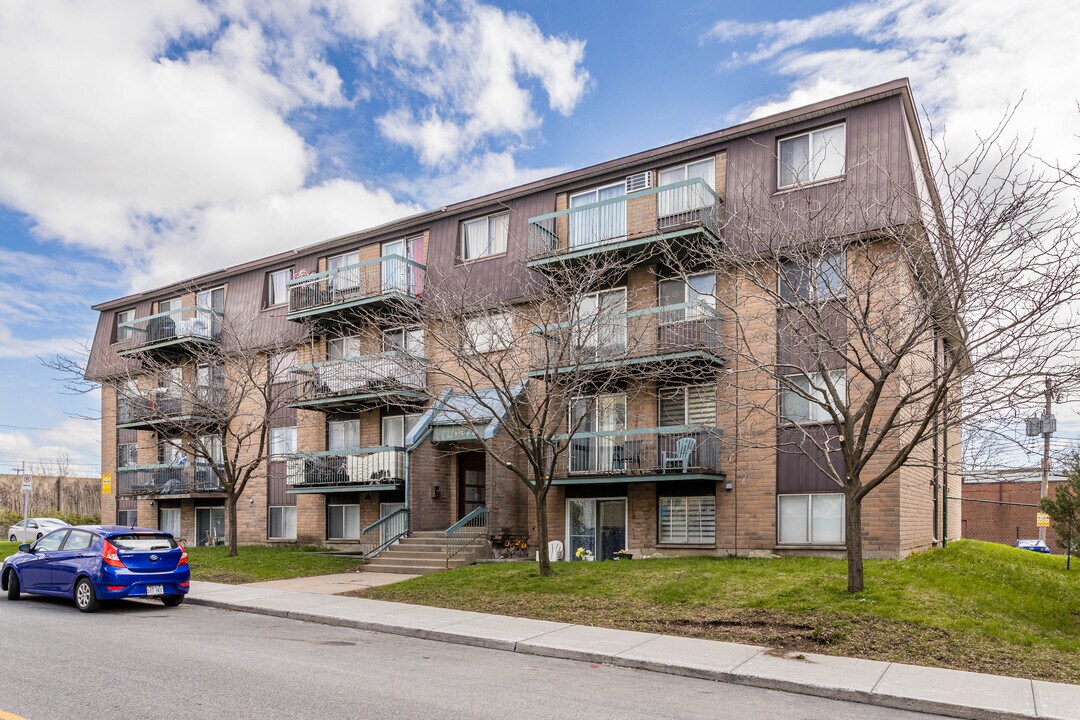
x: 365, y: 466
x: 169, y: 328
x: 671, y: 450
x: 163, y: 405
x: 167, y: 480
x: 391, y: 276
x: 611, y: 338
x: 385, y: 374
x: 637, y: 218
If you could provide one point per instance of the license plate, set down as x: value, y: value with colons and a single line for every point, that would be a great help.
x: 152, y: 590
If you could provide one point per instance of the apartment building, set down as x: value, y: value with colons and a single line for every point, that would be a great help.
x: 667, y: 460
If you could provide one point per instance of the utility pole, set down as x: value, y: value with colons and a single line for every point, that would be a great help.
x: 1047, y: 430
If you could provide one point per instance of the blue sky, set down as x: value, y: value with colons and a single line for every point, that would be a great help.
x: 141, y: 143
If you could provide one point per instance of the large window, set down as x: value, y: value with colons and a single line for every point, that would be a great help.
x: 484, y: 236
x: 340, y: 348
x: 607, y: 450
x: 688, y: 197
x: 689, y: 520
x: 697, y: 292
x: 687, y: 405
x: 344, y: 434
x: 169, y: 521
x: 396, y: 427
x: 818, y: 279
x: 812, y: 156
x: 282, y: 441
x: 171, y: 451
x: 277, y: 287
x: 211, y: 299
x: 796, y: 405
x: 210, y: 525
x: 127, y: 455
x: 283, y: 522
x: 124, y: 332
x: 343, y: 522
x: 486, y: 333
x: 408, y: 340
x: 814, y: 519
x: 604, y: 223
x: 211, y: 444
x: 601, y: 325
x: 344, y: 273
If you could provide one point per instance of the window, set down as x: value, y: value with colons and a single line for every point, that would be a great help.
x: 283, y: 523
x: 344, y: 434
x: 78, y: 540
x: 399, y: 275
x: 124, y: 331
x: 143, y: 541
x: 408, y: 340
x: 601, y: 325
x: 277, y: 287
x: 697, y: 291
x: 484, y: 236
x: 210, y: 525
x: 602, y: 448
x: 688, y: 405
x: 169, y: 521
x: 687, y: 197
x: 605, y: 223
x: 127, y: 455
x: 344, y: 271
x: 127, y: 518
x: 211, y: 299
x: 280, y: 364
x: 812, y: 156
x: 340, y: 348
x: 343, y: 522
x: 282, y: 441
x: 486, y: 333
x: 171, y: 452
x: 396, y: 427
x: 814, y: 519
x: 212, y: 445
x: 688, y: 519
x: 796, y: 406
x: 821, y: 278
x: 168, y: 306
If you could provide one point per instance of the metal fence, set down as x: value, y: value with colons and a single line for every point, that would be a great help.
x: 642, y: 451
x: 372, y: 466
x: 1002, y: 522
x: 386, y: 372
x: 391, y: 275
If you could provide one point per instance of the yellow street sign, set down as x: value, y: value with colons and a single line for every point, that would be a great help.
x: 106, y: 483
x: 1042, y: 520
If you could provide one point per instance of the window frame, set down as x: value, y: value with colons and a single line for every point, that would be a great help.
x: 178, y: 524
x: 411, y: 335
x: 332, y: 425
x: 343, y: 341
x: 814, y: 274
x: 687, y: 541
x: 133, y: 522
x: 209, y: 292
x: 809, y: 134
x: 134, y: 446
x: 123, y: 316
x: 463, y: 245
x: 330, y: 507
x: 282, y: 510
x: 471, y: 336
x: 684, y: 390
x: 270, y: 298
x: 810, y: 521
x: 811, y: 405
x: 290, y: 431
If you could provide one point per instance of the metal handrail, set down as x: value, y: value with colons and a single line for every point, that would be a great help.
x: 384, y: 532
x: 362, y: 466
x: 664, y: 450
x: 389, y: 275
x: 193, y: 322
x: 167, y: 480
x: 466, y: 532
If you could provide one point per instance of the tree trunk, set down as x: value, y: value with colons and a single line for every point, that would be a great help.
x: 230, y: 513
x: 542, y: 532
x: 853, y: 536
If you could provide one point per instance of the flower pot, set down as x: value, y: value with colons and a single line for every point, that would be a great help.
x: 624, y: 556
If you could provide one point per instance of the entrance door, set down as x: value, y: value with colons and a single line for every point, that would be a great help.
x: 472, y: 490
x: 209, y: 526
x: 596, y: 525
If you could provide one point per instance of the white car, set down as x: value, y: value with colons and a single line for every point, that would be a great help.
x: 34, y: 529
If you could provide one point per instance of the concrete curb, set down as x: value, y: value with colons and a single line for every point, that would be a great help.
x: 861, y: 681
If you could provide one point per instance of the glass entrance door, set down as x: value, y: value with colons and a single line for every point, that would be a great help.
x: 209, y: 526
x: 596, y: 525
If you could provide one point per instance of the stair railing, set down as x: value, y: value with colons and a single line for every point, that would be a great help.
x: 384, y: 532
x: 466, y: 531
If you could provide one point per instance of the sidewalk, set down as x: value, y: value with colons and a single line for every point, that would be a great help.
x: 907, y: 687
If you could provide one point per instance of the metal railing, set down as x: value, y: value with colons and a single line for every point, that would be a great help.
x: 665, y: 450
x: 387, y: 276
x: 687, y: 203
x: 170, y: 403
x: 695, y: 325
x: 384, y: 532
x: 387, y: 372
x: 183, y: 324
x: 365, y: 466
x: 167, y: 480
x: 469, y: 530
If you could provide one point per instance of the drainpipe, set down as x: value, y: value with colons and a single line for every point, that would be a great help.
x: 408, y: 456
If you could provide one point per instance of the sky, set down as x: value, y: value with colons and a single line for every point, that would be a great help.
x: 142, y: 143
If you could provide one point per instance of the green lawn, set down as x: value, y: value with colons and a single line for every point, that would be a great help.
x: 254, y: 563
x: 973, y: 606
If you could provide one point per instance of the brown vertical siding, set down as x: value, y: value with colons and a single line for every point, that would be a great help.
x: 800, y: 462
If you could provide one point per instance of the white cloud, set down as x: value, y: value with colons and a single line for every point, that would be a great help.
x: 79, y: 440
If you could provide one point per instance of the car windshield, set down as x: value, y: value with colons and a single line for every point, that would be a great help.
x: 143, y: 541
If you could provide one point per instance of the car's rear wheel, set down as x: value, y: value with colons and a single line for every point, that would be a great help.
x: 172, y: 600
x: 12, y: 586
x: 85, y: 597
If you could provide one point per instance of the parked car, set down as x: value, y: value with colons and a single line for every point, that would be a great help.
x: 33, y: 529
x: 1033, y: 545
x: 91, y: 563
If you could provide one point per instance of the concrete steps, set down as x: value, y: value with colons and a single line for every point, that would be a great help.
x: 421, y: 553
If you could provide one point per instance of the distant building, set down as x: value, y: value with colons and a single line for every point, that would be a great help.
x: 1000, y: 506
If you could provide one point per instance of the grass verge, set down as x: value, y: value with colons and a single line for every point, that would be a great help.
x: 971, y: 606
x: 254, y: 563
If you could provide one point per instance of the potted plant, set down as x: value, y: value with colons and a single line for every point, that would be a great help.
x: 624, y: 554
x: 583, y: 554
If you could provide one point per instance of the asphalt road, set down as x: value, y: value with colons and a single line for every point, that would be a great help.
x: 142, y: 661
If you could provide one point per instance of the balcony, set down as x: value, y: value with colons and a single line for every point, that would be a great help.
x: 378, y: 468
x: 165, y: 407
x: 671, y: 338
x: 171, y: 332
x: 631, y: 228
x: 373, y: 283
x: 683, y: 452
x: 167, y: 480
x: 363, y: 382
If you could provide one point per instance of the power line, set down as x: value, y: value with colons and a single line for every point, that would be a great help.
x: 53, y: 429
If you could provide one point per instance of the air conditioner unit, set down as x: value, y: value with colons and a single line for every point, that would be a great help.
x: 639, y: 181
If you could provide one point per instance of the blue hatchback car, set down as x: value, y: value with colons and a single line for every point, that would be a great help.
x: 91, y: 563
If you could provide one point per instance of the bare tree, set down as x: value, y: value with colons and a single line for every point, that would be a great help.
x: 877, y: 316
x: 56, y: 467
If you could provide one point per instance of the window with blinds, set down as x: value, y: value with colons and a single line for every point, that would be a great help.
x: 688, y: 405
x: 688, y: 519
